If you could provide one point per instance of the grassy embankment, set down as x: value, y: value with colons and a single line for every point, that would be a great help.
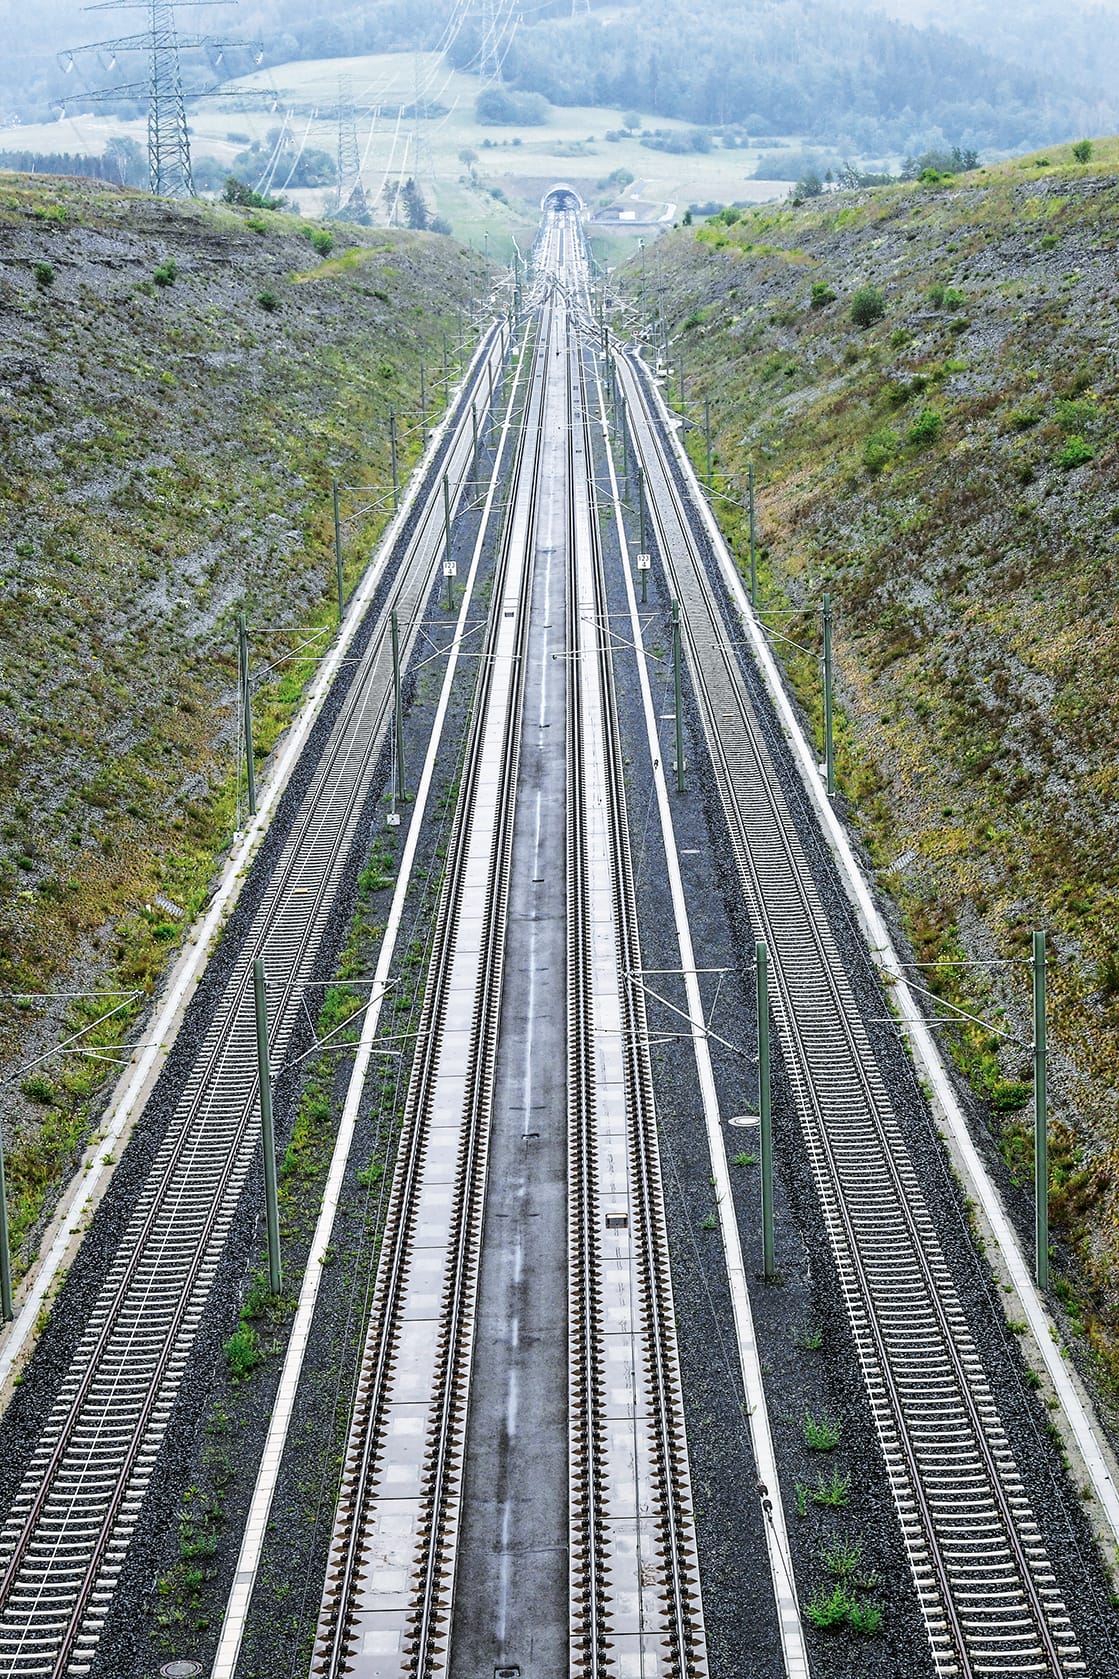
x: 178, y: 385
x: 949, y: 473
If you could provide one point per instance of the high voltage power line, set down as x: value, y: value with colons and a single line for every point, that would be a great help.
x: 169, y: 170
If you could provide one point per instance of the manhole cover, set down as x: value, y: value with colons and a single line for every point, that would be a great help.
x: 181, y: 1670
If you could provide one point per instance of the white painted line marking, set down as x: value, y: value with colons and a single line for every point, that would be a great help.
x: 1096, y: 1455
x: 793, y: 1650
x: 233, y: 1626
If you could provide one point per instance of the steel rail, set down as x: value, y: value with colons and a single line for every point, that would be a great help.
x: 666, y: 1427
x: 713, y: 654
x: 432, y: 1580
x: 306, y: 842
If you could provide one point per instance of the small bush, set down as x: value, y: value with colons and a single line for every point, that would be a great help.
x: 1049, y: 241
x: 821, y: 1434
x: 925, y: 429
x: 242, y: 1352
x: 1075, y: 418
x: 867, y: 306
x: 44, y: 274
x: 865, y: 1618
x: 322, y: 240
x: 268, y: 301
x: 833, y: 1492
x: 830, y: 1610
x: 166, y: 273
x: 842, y: 1557
x: 1082, y: 151
x: 38, y: 1088
x: 1076, y: 452
x: 822, y: 294
x: 1107, y: 975
x: 879, y: 450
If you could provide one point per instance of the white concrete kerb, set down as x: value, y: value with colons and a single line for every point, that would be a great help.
x: 134, y: 1086
x: 252, y: 1544
x: 1083, y: 1430
x: 790, y: 1628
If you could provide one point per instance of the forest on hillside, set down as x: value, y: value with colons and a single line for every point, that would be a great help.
x: 796, y: 66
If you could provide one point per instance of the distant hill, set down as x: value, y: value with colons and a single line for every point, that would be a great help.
x: 853, y: 77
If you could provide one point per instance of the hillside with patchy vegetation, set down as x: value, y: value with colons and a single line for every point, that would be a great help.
x: 927, y: 378
x: 178, y: 386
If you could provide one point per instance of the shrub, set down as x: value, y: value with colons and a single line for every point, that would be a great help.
x: 1049, y: 241
x: 832, y: 1492
x: 821, y: 1434
x: 1075, y: 418
x: 867, y: 306
x: 842, y: 1557
x: 822, y: 294
x: 322, y: 240
x: 166, y: 273
x: 38, y: 1088
x: 879, y: 450
x: 268, y: 301
x: 829, y: 1610
x: 500, y: 105
x: 946, y: 297
x: 242, y: 1352
x: 1075, y: 453
x: 926, y: 428
x: 865, y: 1618
x: 239, y: 192
x: 44, y: 274
x: 1107, y: 975
x: 1082, y: 151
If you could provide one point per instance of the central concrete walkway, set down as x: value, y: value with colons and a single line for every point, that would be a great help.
x: 511, y: 1596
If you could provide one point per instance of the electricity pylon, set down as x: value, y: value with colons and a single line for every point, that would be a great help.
x: 352, y: 205
x: 169, y: 171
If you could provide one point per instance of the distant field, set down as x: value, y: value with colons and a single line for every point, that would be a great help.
x: 517, y: 162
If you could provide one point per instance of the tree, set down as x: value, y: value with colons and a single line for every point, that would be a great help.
x: 125, y: 161
x: 867, y: 306
x: 810, y: 185
x: 631, y: 119
x: 1082, y: 151
x: 416, y: 212
x: 239, y: 192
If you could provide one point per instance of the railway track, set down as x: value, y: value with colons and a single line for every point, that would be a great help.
x: 389, y: 1592
x: 70, y: 1524
x: 635, y: 1572
x: 632, y: 1598
x: 986, y: 1586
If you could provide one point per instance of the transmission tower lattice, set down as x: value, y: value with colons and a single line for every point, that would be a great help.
x: 169, y: 171
x: 352, y: 204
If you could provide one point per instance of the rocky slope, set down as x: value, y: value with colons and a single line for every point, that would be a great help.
x: 178, y: 385
x: 948, y: 470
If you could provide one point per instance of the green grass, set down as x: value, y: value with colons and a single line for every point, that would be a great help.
x: 209, y: 493
x: 948, y: 474
x: 822, y: 1433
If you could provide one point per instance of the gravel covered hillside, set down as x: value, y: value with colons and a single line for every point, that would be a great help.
x: 178, y: 385
x: 948, y: 470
